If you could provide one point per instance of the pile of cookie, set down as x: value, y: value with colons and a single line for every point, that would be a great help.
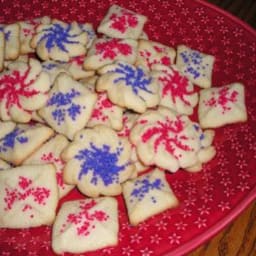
x: 96, y: 111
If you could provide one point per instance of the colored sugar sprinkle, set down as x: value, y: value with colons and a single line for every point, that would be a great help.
x: 102, y: 104
x: 58, y: 36
x: 10, y: 140
x: 133, y: 77
x: 167, y: 134
x: 124, y: 21
x: 64, y: 105
x: 144, y: 187
x: 7, y: 34
x: 222, y: 98
x: 197, y: 128
x: 15, y: 85
x: 25, y: 190
x: 176, y: 86
x: 194, y: 61
x: 150, y: 60
x: 102, y: 163
x: 111, y: 48
x: 85, y: 219
x: 49, y: 66
x: 59, y: 163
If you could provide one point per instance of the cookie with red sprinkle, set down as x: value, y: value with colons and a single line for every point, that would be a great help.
x: 85, y: 225
x: 225, y: 102
x: 166, y: 139
x: 120, y: 22
x: 23, y: 89
x: 29, y: 196
x: 151, y: 53
x: 106, y: 51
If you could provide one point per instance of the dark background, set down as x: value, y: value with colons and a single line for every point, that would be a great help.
x: 244, y: 9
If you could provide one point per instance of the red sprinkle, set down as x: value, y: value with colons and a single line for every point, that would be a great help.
x: 176, y: 86
x: 124, y: 21
x: 84, y: 220
x: 167, y: 134
x: 13, y: 86
x: 111, y: 48
x: 222, y: 98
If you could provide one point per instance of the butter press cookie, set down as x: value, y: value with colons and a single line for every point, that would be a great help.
x: 227, y: 103
x: 85, y: 225
x: 98, y: 161
x: 69, y: 106
x: 195, y: 65
x: 29, y: 196
x: 106, y: 51
x: 23, y: 89
x: 59, y: 41
x: 148, y: 195
x: 17, y: 142
x: 122, y: 23
x: 166, y: 139
x: 129, y: 86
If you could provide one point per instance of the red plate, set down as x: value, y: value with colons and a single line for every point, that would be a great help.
x: 208, y: 200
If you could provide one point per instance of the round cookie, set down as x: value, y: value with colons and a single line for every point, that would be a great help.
x: 166, y: 139
x: 98, y: 161
x: 59, y: 41
x: 129, y: 86
x: 23, y: 89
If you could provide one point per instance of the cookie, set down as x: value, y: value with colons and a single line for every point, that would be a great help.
x: 17, y: 142
x: 28, y: 30
x: 29, y: 196
x: 225, y: 102
x: 149, y: 191
x: 24, y: 88
x: 151, y: 53
x: 122, y: 23
x: 49, y: 153
x: 12, y: 40
x: 98, y: 161
x: 176, y: 91
x: 59, y: 41
x: 106, y: 113
x: 106, y: 51
x: 85, y: 225
x: 129, y: 86
x: 69, y: 106
x: 2, y: 47
x: 166, y: 139
x: 195, y: 65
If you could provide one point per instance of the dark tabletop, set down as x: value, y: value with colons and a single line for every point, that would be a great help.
x: 244, y: 9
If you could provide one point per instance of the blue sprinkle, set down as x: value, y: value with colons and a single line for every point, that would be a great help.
x: 134, y: 77
x: 64, y: 105
x: 9, y: 141
x: 144, y: 186
x: 49, y: 66
x: 102, y: 163
x: 59, y: 36
x: 201, y: 136
x: 6, y: 34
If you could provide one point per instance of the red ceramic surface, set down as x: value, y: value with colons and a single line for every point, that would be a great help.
x: 209, y: 199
